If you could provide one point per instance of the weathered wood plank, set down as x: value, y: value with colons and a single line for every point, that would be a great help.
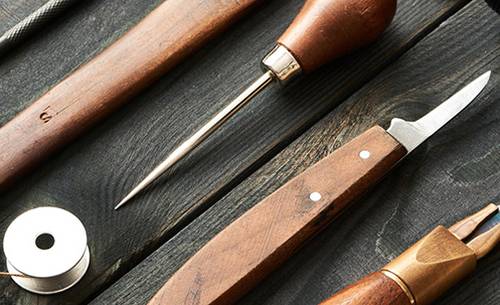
x: 49, y: 55
x: 450, y: 176
x: 90, y: 176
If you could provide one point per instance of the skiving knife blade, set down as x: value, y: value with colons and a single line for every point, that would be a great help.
x: 247, y: 250
x: 412, y: 134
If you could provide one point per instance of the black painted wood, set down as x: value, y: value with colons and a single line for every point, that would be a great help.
x: 90, y: 176
x: 449, y: 177
x: 72, y: 39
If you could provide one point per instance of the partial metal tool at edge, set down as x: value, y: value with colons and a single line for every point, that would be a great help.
x: 33, y: 22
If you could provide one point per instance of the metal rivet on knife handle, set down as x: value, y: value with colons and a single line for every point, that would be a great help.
x: 255, y: 244
x: 323, y: 30
x: 315, y: 196
x: 364, y: 154
x: 259, y: 241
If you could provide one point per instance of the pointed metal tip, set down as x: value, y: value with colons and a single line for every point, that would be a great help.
x: 119, y: 205
x: 144, y: 183
x: 124, y: 201
x: 485, y: 78
x: 412, y: 134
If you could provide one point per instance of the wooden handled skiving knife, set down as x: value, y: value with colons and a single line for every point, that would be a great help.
x: 255, y: 244
x: 430, y: 267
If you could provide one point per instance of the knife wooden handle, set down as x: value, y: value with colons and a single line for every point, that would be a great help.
x: 375, y: 289
x: 160, y: 41
x: 259, y: 241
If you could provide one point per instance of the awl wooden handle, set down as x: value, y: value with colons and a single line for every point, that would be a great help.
x: 160, y: 41
x: 375, y: 289
x: 259, y: 241
x: 327, y: 29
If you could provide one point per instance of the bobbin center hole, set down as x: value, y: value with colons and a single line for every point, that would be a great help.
x: 45, y: 241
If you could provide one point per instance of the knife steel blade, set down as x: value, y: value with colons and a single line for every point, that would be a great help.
x: 412, y: 134
x: 247, y: 250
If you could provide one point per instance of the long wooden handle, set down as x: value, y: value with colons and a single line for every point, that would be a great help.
x: 160, y: 41
x: 260, y: 240
x: 375, y: 289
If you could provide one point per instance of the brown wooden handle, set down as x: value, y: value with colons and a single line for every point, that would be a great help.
x: 375, y: 289
x: 260, y: 240
x: 327, y: 29
x: 161, y: 40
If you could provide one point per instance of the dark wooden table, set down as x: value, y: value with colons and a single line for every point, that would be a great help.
x: 433, y: 48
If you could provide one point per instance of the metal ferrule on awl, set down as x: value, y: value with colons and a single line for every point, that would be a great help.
x: 445, y: 256
x: 279, y: 65
x: 312, y: 40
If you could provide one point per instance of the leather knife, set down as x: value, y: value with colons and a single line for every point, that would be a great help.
x: 429, y: 268
x: 240, y: 256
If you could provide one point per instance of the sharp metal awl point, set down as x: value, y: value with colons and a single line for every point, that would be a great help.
x: 281, y: 223
x: 305, y: 46
x: 410, y: 134
x: 201, y: 135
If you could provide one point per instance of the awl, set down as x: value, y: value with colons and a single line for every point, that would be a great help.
x: 323, y: 30
x: 161, y: 40
x: 250, y: 248
x: 430, y: 267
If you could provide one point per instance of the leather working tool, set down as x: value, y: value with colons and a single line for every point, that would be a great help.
x: 165, y: 37
x: 324, y: 30
x: 430, y: 267
x: 247, y: 250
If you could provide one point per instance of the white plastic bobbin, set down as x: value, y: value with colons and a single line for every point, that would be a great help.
x: 49, y: 246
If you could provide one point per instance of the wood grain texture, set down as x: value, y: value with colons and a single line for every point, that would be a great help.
x: 325, y: 30
x: 89, y: 176
x: 375, y: 289
x: 450, y: 176
x: 258, y: 242
x: 160, y: 41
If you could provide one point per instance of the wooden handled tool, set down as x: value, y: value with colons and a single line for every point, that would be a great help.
x: 255, y: 244
x: 431, y: 267
x: 160, y: 41
x: 323, y: 30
